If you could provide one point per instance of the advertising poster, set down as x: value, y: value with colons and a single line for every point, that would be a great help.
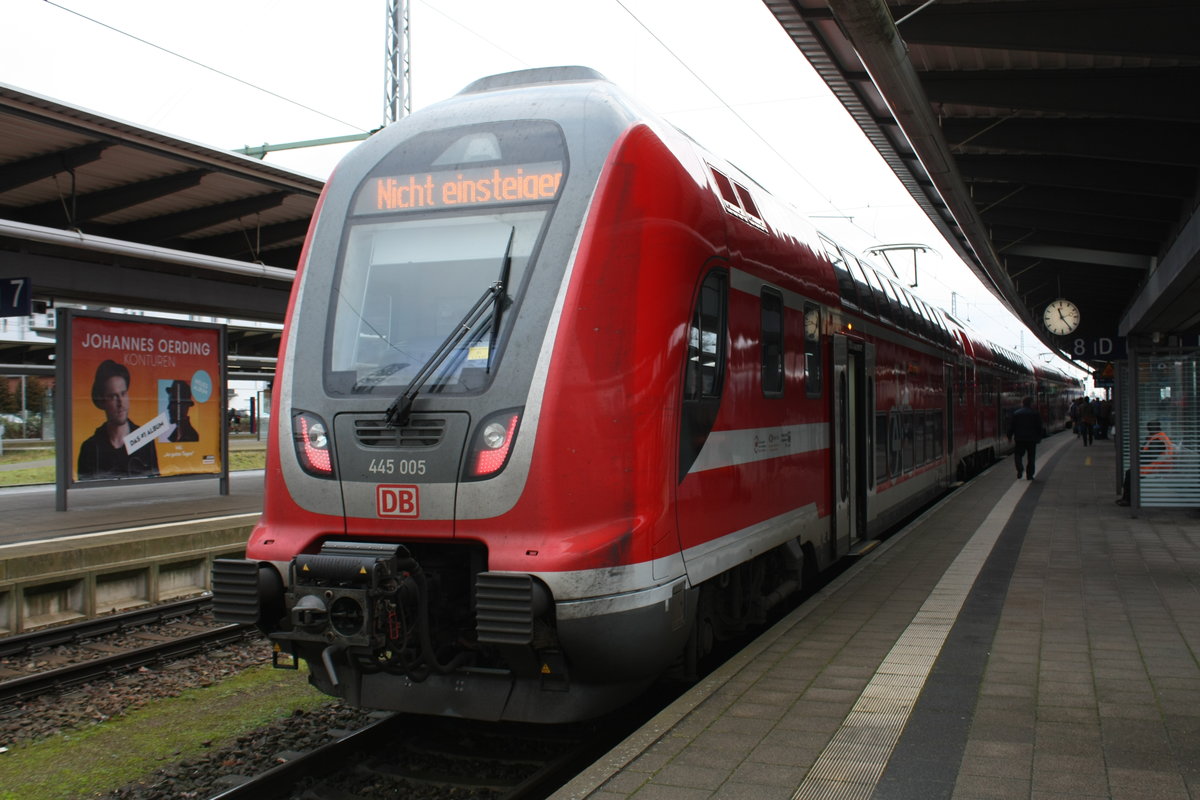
x: 147, y: 398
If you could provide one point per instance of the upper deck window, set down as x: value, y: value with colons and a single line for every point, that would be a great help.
x: 884, y: 302
x: 846, y: 285
x: 737, y: 199
x: 865, y: 293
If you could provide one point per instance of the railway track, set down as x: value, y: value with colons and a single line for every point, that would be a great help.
x: 94, y: 655
x: 415, y: 757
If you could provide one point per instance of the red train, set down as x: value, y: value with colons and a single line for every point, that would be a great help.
x: 564, y: 399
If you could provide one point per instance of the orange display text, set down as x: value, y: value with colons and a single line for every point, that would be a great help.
x: 450, y: 189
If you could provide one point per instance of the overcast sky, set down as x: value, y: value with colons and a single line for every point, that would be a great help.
x: 232, y: 73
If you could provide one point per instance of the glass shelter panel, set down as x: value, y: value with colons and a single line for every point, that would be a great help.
x: 1168, y: 429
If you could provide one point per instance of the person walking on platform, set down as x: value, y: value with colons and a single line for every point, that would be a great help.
x: 1087, y: 421
x: 1026, y: 429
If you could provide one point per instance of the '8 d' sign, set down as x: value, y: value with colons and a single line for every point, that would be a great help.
x: 397, y: 501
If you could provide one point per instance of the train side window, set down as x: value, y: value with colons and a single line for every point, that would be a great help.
x: 907, y: 445
x: 920, y: 455
x: 865, y: 294
x: 929, y: 315
x: 748, y: 204
x: 922, y: 328
x: 881, y: 446
x: 845, y: 280
x: 812, y: 350
x: 737, y: 199
x: 886, y: 312
x: 706, y: 337
x: 724, y: 186
x: 893, y: 302
x: 910, y: 316
x: 705, y: 369
x: 772, y: 339
x: 937, y: 433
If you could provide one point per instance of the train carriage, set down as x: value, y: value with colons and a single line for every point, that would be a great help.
x: 564, y: 399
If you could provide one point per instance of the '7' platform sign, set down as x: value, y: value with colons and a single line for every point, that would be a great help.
x: 15, y: 297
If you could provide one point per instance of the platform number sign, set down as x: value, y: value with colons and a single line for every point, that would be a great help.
x: 15, y: 297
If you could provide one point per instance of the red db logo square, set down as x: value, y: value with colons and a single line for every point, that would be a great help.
x: 397, y: 501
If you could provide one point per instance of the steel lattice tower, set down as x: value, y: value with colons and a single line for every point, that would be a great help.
x: 398, y: 79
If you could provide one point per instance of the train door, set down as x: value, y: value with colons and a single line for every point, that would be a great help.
x: 850, y: 442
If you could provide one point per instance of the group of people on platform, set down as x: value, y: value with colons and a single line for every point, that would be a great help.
x: 1090, y: 420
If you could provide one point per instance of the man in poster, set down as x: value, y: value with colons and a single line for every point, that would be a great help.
x: 105, y: 455
x: 179, y: 401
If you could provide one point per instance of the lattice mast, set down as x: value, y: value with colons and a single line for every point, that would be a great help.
x: 398, y: 77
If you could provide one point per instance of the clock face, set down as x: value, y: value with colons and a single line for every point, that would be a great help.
x: 1061, y: 317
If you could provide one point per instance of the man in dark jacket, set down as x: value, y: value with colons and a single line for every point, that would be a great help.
x: 1025, y: 429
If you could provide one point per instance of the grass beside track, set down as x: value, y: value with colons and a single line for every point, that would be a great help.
x: 93, y: 761
x: 241, y: 459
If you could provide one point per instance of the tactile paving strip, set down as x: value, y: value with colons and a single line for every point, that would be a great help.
x: 850, y: 765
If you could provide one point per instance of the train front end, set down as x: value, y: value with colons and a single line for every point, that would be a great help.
x: 397, y: 511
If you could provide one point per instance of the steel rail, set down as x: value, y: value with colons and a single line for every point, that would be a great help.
x: 117, y: 663
x: 76, y: 632
x: 318, y: 762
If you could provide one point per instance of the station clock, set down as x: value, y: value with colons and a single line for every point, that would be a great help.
x: 1061, y: 317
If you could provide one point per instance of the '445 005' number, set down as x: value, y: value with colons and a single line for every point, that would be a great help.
x: 397, y: 466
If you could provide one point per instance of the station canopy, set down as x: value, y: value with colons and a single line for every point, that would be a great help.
x: 103, y: 213
x: 1053, y: 143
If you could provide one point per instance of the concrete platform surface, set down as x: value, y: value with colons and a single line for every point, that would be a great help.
x: 1023, y: 639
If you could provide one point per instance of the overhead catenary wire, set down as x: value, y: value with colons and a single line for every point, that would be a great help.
x: 202, y: 65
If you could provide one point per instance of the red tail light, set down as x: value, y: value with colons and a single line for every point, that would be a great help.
x: 493, y: 444
x: 311, y: 437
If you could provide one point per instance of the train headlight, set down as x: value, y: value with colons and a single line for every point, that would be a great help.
x: 311, y: 437
x: 495, y: 435
x: 493, y: 444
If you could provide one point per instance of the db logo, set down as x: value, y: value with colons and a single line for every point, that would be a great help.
x: 397, y: 501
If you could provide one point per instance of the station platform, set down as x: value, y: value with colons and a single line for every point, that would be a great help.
x: 1022, y: 639
x: 117, y: 546
x: 29, y: 514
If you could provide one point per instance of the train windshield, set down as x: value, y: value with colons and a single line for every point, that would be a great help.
x: 404, y: 289
x: 438, y: 221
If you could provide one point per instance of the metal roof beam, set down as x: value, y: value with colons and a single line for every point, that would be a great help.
x: 1083, y: 255
x: 1121, y: 140
x: 1157, y: 28
x: 31, y: 170
x: 167, y: 227
x: 97, y: 204
x: 142, y: 252
x: 1144, y: 93
x: 1052, y: 199
x: 1005, y: 237
x: 1078, y: 173
x: 1063, y: 222
x: 248, y: 243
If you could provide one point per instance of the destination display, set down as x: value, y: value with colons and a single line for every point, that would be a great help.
x: 524, y: 183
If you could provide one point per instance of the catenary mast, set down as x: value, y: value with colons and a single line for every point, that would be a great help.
x: 398, y: 78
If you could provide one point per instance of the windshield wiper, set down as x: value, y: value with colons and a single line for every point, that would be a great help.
x: 502, y: 298
x: 399, y: 411
x: 494, y: 296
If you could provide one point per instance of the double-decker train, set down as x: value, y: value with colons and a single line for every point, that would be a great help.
x: 564, y: 399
